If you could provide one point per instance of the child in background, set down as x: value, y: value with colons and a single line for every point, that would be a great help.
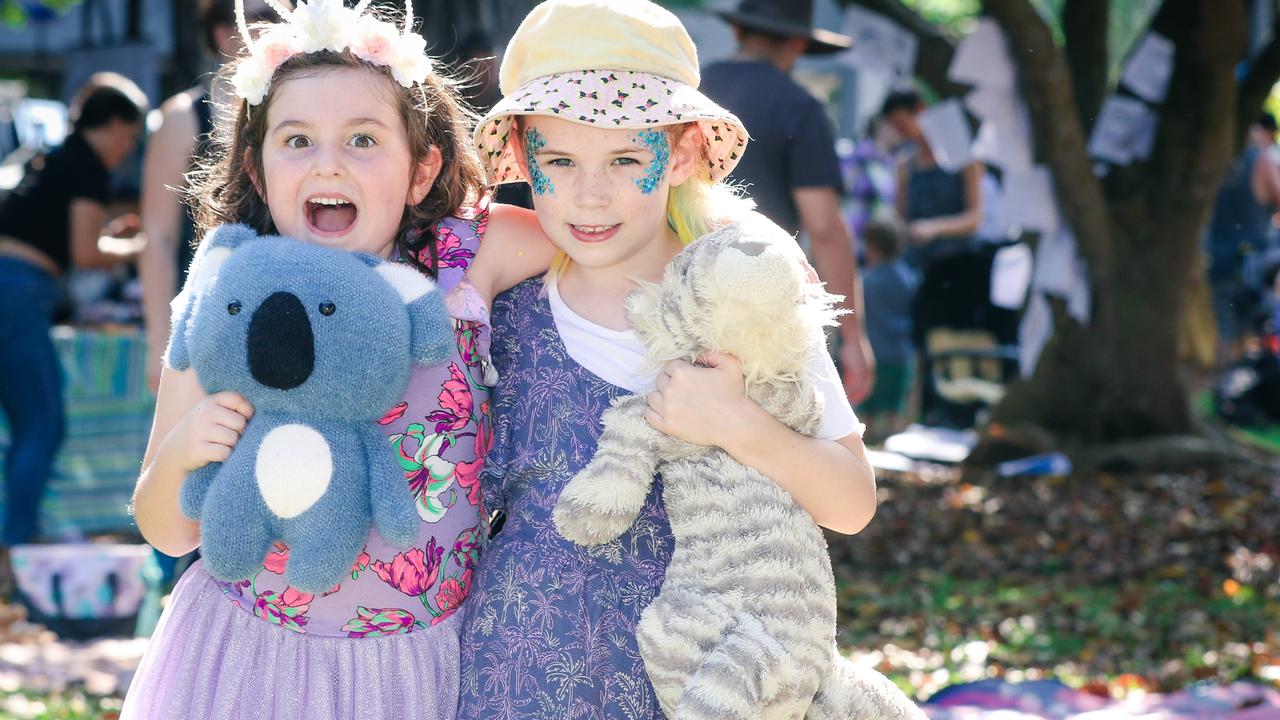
x: 888, y: 286
x: 344, y: 136
x: 602, y: 117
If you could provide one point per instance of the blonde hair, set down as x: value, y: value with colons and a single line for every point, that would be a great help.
x: 695, y: 207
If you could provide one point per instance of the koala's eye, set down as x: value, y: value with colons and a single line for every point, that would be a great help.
x: 327, y: 308
x: 234, y: 308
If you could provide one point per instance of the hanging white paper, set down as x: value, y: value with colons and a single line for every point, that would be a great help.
x: 1008, y: 147
x: 1149, y: 67
x: 1030, y: 200
x: 1062, y: 272
x: 1144, y: 139
x: 879, y: 44
x: 983, y: 58
x: 946, y: 129
x: 1121, y: 126
x: 1055, y: 255
x: 1000, y: 104
x: 1011, y: 276
x: 1080, y: 299
x: 1034, y: 333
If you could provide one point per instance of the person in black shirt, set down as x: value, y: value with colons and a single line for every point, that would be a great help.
x: 790, y: 168
x: 178, y: 146
x: 52, y: 221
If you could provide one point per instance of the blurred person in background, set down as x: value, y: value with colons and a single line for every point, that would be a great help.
x: 55, y: 220
x: 1237, y: 235
x: 791, y: 169
x: 888, y: 286
x: 172, y: 150
x: 942, y: 209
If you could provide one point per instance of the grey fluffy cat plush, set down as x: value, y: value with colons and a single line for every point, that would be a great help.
x: 744, y: 624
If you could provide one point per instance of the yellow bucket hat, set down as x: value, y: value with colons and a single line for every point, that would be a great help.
x: 611, y: 63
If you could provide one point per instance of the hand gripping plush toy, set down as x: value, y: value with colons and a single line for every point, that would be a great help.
x: 321, y: 342
x: 744, y: 624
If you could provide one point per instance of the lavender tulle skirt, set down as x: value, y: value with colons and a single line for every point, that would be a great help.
x: 208, y: 659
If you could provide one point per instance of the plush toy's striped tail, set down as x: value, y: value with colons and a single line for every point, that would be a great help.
x: 853, y: 692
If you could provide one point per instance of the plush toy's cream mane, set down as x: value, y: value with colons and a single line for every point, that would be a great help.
x: 743, y: 290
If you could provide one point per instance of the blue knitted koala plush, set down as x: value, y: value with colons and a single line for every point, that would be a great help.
x: 321, y: 341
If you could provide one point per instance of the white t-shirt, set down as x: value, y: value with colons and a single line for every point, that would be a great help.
x: 617, y: 357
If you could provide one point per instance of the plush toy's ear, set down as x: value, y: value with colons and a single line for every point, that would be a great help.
x: 213, y: 252
x: 431, y: 327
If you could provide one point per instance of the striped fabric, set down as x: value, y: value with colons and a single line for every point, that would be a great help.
x: 109, y: 410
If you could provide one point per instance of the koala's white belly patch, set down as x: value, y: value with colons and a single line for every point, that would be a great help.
x: 294, y: 468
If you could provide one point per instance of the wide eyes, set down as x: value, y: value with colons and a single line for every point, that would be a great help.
x: 360, y: 140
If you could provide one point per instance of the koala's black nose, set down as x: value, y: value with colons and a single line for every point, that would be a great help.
x: 282, y: 348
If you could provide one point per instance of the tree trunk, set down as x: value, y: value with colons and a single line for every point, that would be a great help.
x: 1139, y: 230
x: 1118, y: 377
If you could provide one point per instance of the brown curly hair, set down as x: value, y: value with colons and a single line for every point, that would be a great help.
x: 220, y: 190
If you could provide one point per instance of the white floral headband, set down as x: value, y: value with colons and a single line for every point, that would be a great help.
x: 318, y: 25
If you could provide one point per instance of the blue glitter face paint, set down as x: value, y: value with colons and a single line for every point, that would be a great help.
x: 533, y: 142
x: 657, y: 143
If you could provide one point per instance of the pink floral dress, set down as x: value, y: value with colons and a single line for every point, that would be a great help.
x: 383, y: 643
x: 440, y: 431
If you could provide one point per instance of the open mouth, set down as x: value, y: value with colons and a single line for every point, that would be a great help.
x: 594, y: 233
x: 330, y: 214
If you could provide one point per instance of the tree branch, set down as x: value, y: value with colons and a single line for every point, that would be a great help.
x: 1084, y: 27
x: 934, y: 48
x: 1263, y: 73
x: 1059, y: 138
x: 1199, y: 117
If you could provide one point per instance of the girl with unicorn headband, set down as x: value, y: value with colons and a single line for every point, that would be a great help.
x: 345, y: 135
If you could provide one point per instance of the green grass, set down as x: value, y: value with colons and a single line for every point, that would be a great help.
x: 72, y: 704
x: 1165, y: 631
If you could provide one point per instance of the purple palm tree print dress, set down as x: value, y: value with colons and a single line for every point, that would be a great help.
x: 549, y: 627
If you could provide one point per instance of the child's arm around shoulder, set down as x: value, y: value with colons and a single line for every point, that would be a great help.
x: 190, y: 430
x: 513, y: 249
x: 831, y: 479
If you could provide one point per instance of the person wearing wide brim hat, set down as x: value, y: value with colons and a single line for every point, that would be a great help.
x: 565, y: 61
x: 792, y: 171
x: 604, y: 65
x: 787, y: 18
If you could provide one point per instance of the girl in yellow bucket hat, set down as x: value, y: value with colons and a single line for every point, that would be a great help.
x: 602, y: 117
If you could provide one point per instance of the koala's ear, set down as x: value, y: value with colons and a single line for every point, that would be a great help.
x: 431, y: 328
x: 176, y: 356
x: 212, y: 253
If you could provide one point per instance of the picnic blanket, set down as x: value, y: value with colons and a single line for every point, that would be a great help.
x: 109, y: 409
x: 1052, y: 700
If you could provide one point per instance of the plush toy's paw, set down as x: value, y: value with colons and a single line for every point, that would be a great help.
x: 594, y: 508
x: 400, y: 529
x: 195, y: 488
x: 585, y: 526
